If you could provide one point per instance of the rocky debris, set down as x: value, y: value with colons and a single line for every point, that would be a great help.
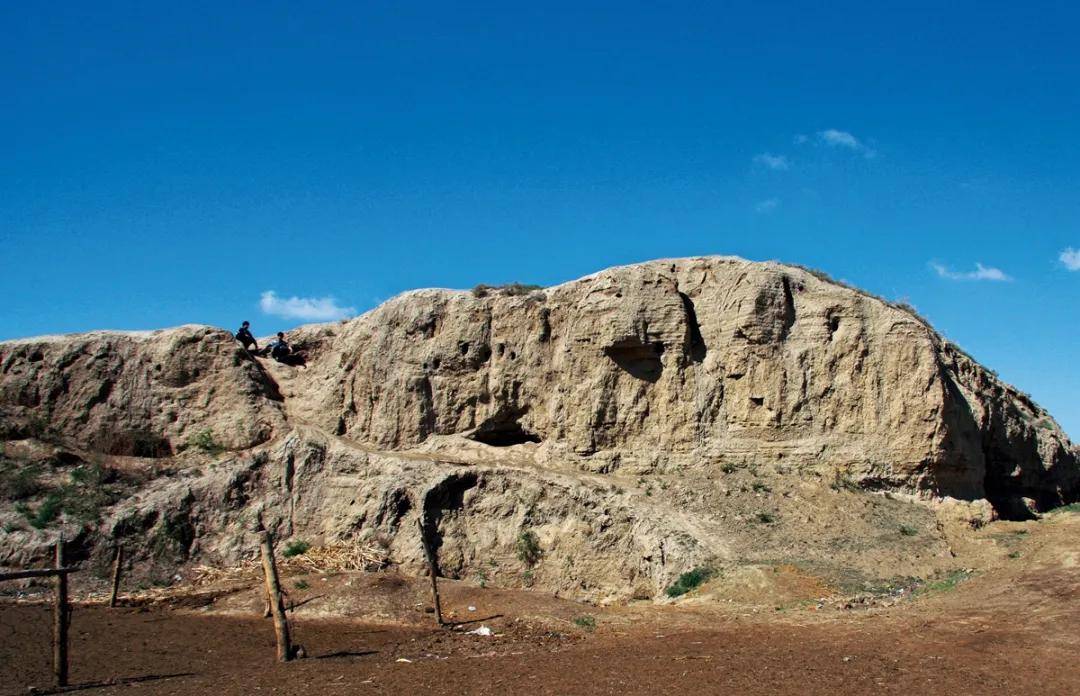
x: 637, y: 423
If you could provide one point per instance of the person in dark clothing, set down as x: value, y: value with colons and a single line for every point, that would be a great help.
x: 246, y: 339
x: 279, y: 349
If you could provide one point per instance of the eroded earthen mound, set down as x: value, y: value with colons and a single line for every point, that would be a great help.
x: 638, y: 422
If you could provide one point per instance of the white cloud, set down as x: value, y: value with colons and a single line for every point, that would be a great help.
x: 843, y: 139
x: 767, y: 206
x: 770, y: 161
x: 981, y: 272
x: 304, y: 308
x: 1070, y: 258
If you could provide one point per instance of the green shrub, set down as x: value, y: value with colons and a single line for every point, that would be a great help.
x: 528, y: 549
x: 908, y: 530
x: 46, y: 513
x: 765, y: 518
x: 295, y: 548
x: 20, y: 482
x: 204, y: 441
x: 585, y: 621
x: 689, y: 581
x: 87, y: 475
x: 1072, y: 507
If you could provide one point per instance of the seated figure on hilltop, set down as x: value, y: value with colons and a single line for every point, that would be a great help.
x: 246, y: 339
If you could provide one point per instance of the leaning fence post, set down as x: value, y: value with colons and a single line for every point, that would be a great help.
x: 61, y: 615
x: 118, y: 562
x: 273, y: 591
x: 431, y: 571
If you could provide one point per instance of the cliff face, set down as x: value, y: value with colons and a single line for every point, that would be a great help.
x: 616, y: 415
x: 136, y: 394
x: 692, y: 363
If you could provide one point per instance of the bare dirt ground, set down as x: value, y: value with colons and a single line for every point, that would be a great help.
x: 1011, y: 628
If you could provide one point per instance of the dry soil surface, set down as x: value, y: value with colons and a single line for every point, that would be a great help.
x: 1014, y: 629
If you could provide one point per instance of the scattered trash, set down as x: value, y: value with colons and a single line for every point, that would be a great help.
x: 402, y: 659
x: 482, y: 631
x: 472, y: 608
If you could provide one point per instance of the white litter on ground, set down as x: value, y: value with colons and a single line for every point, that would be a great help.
x: 482, y: 631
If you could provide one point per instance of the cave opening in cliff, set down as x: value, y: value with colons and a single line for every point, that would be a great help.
x: 641, y: 360
x: 503, y: 430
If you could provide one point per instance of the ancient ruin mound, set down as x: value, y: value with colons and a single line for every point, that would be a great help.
x: 598, y: 438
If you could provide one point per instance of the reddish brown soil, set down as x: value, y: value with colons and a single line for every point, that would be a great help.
x: 235, y: 656
x: 1014, y: 629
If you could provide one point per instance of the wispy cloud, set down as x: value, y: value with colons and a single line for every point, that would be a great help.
x: 767, y: 206
x: 771, y: 161
x: 303, y: 308
x: 840, y: 139
x: 981, y: 272
x: 1070, y: 258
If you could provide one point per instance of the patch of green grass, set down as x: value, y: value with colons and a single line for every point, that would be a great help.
x: 301, y: 585
x: 586, y: 622
x: 297, y: 547
x: 949, y: 582
x: 527, y: 548
x: 87, y: 493
x: 19, y: 482
x: 527, y: 578
x: 46, y: 512
x: 760, y: 487
x: 204, y: 441
x: 728, y: 468
x: 765, y: 517
x: 1072, y: 507
x: 908, y: 530
x: 689, y: 581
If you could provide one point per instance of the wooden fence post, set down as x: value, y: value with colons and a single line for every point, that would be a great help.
x: 277, y: 604
x: 61, y: 616
x: 432, y: 570
x: 118, y: 563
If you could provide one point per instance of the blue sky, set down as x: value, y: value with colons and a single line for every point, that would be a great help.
x: 173, y: 163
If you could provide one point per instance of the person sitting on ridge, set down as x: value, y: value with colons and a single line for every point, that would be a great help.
x: 279, y: 349
x: 246, y: 339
